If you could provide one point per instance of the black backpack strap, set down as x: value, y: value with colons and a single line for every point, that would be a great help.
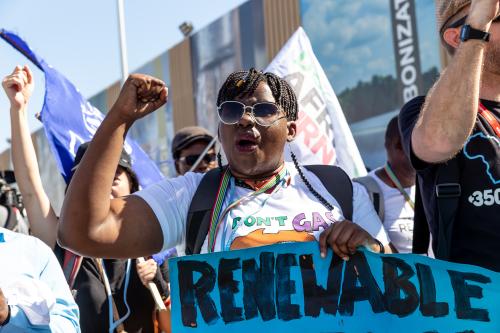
x: 337, y: 183
x: 420, y: 242
x: 375, y: 193
x: 333, y: 178
x: 448, y: 193
x: 198, y: 218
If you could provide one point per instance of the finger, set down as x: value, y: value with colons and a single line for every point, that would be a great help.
x: 323, y: 240
x: 14, y: 82
x: 17, y: 69
x: 29, y: 74
x: 357, y: 240
x: 21, y: 78
x: 343, y: 237
x: 338, y: 227
x: 332, y: 241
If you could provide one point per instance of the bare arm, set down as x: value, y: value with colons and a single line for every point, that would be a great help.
x: 43, y: 221
x: 449, y: 113
x: 91, y: 223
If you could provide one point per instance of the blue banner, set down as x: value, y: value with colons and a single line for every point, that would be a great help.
x: 70, y: 120
x: 290, y: 288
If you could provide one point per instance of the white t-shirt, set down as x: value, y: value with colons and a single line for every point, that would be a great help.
x: 398, y: 216
x: 291, y: 213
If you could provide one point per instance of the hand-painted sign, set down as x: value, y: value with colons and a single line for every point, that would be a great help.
x: 289, y: 287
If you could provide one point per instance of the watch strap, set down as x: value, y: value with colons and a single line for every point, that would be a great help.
x: 469, y: 32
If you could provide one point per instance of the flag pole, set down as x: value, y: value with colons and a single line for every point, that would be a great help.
x: 123, y: 44
x: 124, y: 62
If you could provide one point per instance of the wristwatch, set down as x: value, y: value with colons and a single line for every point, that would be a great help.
x: 469, y: 32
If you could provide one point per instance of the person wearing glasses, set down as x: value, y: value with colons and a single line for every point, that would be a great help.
x: 258, y: 113
x: 187, y: 146
x: 452, y: 137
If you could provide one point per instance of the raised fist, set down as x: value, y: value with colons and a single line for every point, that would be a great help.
x: 19, y: 86
x: 482, y: 12
x: 140, y: 95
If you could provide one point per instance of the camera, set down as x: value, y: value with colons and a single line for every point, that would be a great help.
x: 11, y: 205
x: 9, y: 196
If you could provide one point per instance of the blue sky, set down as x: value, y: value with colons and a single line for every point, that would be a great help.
x: 80, y: 39
x: 356, y: 35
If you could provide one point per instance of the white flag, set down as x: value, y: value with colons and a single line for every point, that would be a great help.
x: 323, y: 136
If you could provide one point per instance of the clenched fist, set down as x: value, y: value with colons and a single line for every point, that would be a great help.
x: 146, y: 271
x: 140, y: 95
x: 482, y: 12
x: 19, y: 86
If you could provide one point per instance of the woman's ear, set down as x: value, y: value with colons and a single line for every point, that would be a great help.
x: 292, y: 131
x: 452, y: 37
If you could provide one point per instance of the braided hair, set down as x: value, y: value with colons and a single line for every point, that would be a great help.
x: 244, y: 83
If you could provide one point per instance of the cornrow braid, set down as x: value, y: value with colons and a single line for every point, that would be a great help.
x: 244, y: 83
x: 308, y: 185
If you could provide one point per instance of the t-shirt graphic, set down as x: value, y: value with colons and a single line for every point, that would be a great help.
x: 484, y: 147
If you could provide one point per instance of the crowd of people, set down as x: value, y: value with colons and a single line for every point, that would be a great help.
x: 438, y: 193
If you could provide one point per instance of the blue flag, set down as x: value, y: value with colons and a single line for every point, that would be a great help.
x: 70, y: 120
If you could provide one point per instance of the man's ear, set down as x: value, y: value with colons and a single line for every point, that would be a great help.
x: 452, y: 37
x: 292, y: 131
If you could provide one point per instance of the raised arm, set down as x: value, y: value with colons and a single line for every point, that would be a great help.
x: 43, y: 221
x: 449, y: 113
x: 91, y: 223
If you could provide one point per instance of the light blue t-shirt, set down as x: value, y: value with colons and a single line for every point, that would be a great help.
x: 34, y: 285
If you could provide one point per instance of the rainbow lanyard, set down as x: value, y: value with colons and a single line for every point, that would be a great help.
x: 400, y: 187
x: 218, y: 213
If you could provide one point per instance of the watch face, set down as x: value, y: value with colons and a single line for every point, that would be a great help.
x: 464, y: 33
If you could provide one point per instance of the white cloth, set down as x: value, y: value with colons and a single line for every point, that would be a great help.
x: 34, y: 286
x: 290, y: 214
x: 34, y: 297
x: 398, y: 215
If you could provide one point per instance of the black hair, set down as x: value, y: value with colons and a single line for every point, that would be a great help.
x: 134, y: 180
x: 392, y: 131
x: 244, y: 83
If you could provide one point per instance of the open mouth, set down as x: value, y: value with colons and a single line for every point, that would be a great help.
x: 246, y: 143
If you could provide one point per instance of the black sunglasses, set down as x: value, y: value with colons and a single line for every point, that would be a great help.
x: 264, y: 114
x: 191, y: 159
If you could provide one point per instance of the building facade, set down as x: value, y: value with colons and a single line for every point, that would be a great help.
x: 376, y: 54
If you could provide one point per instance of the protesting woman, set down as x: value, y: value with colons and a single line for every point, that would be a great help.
x: 257, y: 114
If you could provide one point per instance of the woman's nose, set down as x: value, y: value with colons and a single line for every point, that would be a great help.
x: 247, y: 118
